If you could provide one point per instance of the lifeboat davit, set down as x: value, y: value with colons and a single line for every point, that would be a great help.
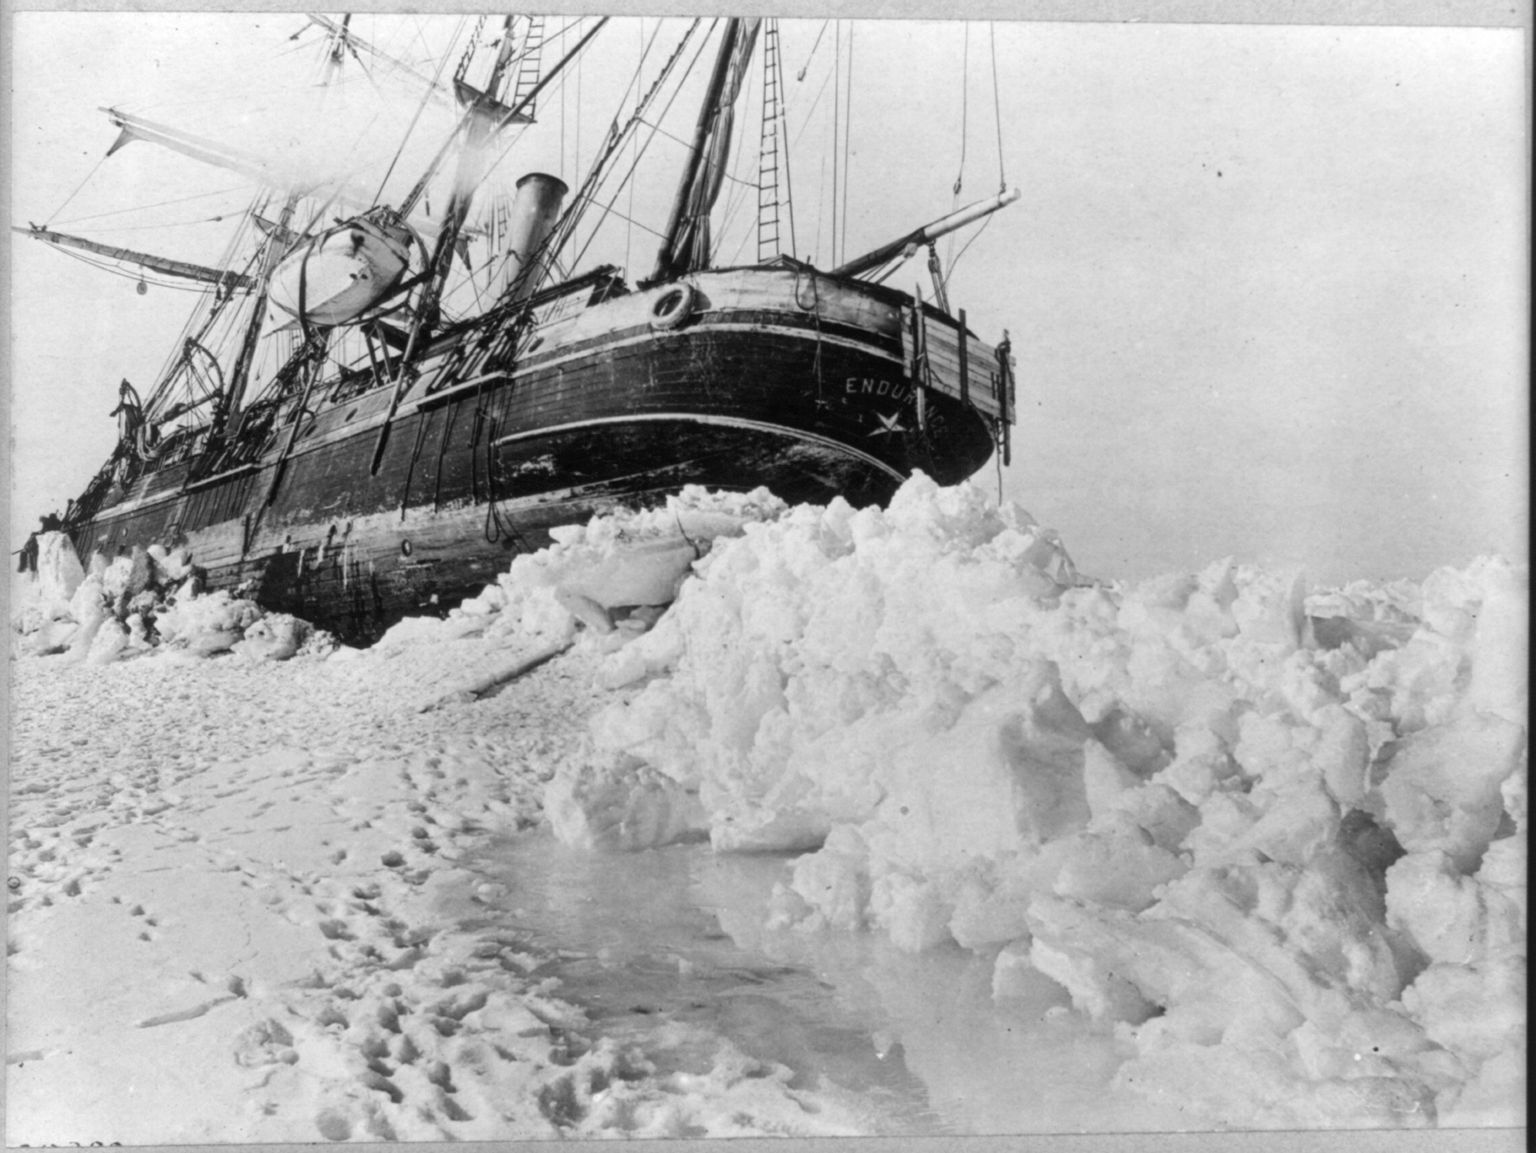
x: 342, y: 273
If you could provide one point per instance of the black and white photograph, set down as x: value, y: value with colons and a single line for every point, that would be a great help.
x: 869, y: 572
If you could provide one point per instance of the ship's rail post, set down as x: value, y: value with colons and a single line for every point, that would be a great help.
x: 1005, y: 391
x: 965, y: 363
x: 920, y: 369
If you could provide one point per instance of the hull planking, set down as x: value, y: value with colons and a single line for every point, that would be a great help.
x: 363, y: 506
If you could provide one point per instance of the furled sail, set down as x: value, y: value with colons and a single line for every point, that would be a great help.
x: 687, y: 237
x: 189, y: 144
x: 221, y: 155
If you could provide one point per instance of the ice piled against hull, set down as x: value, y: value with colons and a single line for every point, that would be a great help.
x: 1289, y: 869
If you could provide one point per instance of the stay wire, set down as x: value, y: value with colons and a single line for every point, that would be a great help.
x: 641, y: 149
x: 847, y: 137
x: 837, y: 95
x: 420, y: 108
x: 965, y: 135
x: 965, y: 103
x: 799, y: 76
x: 78, y: 187
x: 997, y: 109
x: 146, y: 207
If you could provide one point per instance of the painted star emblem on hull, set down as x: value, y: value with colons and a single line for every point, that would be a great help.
x: 888, y: 424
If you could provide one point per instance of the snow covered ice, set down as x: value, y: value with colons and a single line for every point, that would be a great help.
x: 1214, y: 850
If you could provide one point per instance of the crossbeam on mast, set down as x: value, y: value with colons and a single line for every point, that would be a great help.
x: 164, y: 264
x: 918, y: 237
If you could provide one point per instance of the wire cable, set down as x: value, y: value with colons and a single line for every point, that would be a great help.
x: 78, y: 187
x: 997, y: 109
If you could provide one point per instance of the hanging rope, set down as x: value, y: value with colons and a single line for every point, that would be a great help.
x: 997, y: 458
x: 952, y: 264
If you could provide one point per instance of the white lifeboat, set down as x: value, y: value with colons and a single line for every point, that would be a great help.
x: 342, y: 273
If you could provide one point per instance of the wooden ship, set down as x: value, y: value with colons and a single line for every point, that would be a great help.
x: 397, y: 451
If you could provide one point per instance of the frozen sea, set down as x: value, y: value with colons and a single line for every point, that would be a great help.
x: 1179, y: 857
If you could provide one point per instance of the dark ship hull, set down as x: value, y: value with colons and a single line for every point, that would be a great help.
x: 364, y: 501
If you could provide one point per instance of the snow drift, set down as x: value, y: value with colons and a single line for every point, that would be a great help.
x: 1277, y: 837
x: 150, y: 601
x: 1273, y: 837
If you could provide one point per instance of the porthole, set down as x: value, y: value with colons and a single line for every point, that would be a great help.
x: 405, y: 548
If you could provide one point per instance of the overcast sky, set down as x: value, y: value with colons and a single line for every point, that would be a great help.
x: 1266, y: 284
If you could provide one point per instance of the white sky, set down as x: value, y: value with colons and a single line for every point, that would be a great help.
x: 1267, y: 285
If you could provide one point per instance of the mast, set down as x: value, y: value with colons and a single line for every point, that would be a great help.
x: 484, y: 103
x: 686, y: 243
x: 344, y: 39
x: 483, y: 119
x: 228, y: 404
x: 164, y: 264
x: 481, y: 113
x: 480, y: 128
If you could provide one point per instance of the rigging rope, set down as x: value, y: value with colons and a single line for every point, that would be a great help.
x: 563, y: 103
x: 997, y: 109
x: 781, y: 132
x: 141, y: 207
x: 820, y: 199
x: 965, y: 102
x: 116, y: 269
x: 737, y: 199
x: 952, y: 264
x: 420, y: 108
x: 634, y: 143
x: 837, y: 94
x: 805, y: 124
x: 163, y: 224
x: 78, y: 187
x: 600, y: 170
x: 799, y: 76
x: 847, y: 136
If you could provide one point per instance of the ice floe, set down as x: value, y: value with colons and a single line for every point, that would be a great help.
x: 1264, y: 843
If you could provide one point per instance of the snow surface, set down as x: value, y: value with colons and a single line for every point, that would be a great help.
x: 1214, y: 850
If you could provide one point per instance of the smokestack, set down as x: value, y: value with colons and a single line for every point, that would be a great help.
x: 534, y: 211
